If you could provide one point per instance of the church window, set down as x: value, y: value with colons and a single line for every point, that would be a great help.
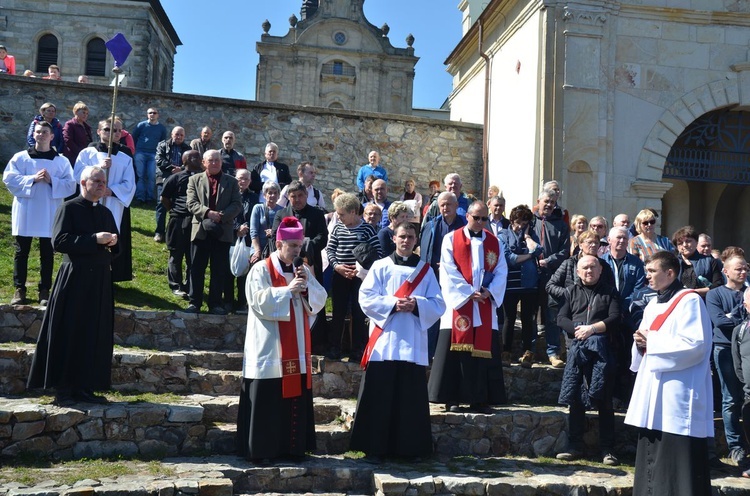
x: 46, y: 52
x: 339, y: 38
x: 96, y: 58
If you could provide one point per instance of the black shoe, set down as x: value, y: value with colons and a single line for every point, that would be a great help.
x: 192, y: 309
x: 481, y: 408
x: 63, y: 398
x: 43, y: 297
x: 218, y: 311
x: 569, y: 455
x: 333, y: 354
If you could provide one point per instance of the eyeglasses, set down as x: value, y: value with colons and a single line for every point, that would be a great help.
x: 596, y: 226
x: 478, y: 218
x: 649, y: 222
x: 153, y: 113
x: 106, y: 130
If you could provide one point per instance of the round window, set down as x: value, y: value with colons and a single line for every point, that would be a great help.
x: 339, y: 38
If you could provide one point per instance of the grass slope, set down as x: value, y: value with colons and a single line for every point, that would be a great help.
x: 147, y: 290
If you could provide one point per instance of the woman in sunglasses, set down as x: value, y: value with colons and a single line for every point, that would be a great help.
x: 647, y: 242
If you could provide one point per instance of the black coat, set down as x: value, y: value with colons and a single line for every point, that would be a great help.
x: 592, y: 358
x: 282, y: 174
x: 74, y: 349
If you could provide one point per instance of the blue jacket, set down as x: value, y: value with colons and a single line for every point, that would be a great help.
x: 631, y: 277
x: 429, y: 246
x: 726, y: 311
x: 525, y: 275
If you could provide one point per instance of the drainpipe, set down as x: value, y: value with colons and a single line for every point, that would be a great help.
x: 486, y: 129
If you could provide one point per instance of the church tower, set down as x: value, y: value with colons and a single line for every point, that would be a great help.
x: 334, y: 57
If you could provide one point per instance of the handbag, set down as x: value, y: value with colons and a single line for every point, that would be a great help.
x: 239, y: 257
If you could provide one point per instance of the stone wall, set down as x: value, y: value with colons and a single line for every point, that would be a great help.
x: 337, y: 141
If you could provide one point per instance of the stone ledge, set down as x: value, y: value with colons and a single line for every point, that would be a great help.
x: 218, y: 373
x: 226, y: 475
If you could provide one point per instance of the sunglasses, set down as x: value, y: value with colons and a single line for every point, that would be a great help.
x: 649, y: 222
x: 478, y: 218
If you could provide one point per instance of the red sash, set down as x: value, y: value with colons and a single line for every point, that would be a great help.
x: 659, y: 320
x: 406, y: 289
x: 290, y: 368
x: 478, y: 342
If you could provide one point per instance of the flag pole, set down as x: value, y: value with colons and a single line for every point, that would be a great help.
x: 117, y: 71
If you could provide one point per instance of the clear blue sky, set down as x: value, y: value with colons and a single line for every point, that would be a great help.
x: 218, y: 57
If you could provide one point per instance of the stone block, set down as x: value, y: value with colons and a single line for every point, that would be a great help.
x: 185, y: 413
x: 42, y: 445
x: 25, y: 430
x: 215, y: 487
x: 146, y: 416
x: 390, y: 484
x: 187, y: 486
x: 28, y: 412
x: 82, y: 490
x: 58, y: 421
x: 91, y: 430
x: 103, y: 449
x: 470, y: 486
x: 68, y: 438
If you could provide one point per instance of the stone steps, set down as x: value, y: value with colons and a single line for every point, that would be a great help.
x: 196, y: 423
x: 218, y: 373
x: 325, y: 474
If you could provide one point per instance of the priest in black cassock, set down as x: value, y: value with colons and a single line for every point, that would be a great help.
x: 120, y: 188
x: 74, y: 350
x: 402, y: 298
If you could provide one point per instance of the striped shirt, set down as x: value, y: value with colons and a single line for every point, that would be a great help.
x: 343, y: 239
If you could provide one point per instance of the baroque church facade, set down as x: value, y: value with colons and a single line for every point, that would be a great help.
x: 630, y: 104
x: 334, y: 57
x: 72, y: 34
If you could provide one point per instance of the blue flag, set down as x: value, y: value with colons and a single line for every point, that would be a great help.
x: 119, y: 48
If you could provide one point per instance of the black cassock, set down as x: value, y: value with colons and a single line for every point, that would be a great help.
x: 74, y: 349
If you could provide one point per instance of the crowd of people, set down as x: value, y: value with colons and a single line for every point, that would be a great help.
x: 423, y: 280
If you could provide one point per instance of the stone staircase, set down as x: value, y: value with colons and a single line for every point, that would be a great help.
x: 190, y: 365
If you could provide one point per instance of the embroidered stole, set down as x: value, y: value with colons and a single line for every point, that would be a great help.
x: 465, y: 336
x: 290, y: 367
x: 406, y: 289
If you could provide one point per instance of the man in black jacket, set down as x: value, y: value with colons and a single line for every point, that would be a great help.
x: 589, y: 315
x: 554, y: 236
x: 168, y: 161
x: 270, y: 170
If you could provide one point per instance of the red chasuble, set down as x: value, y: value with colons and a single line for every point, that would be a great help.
x: 465, y: 336
x: 290, y: 367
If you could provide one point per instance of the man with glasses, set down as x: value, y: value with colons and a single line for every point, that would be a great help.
x: 473, y: 272
x: 39, y: 179
x: 146, y: 136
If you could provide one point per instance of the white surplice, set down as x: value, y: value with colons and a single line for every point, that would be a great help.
x: 35, y: 204
x: 673, y: 391
x: 404, y: 334
x: 456, y: 291
x: 267, y: 306
x: 121, y: 179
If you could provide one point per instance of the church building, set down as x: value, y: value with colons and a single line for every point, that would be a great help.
x: 72, y: 34
x: 630, y: 104
x: 334, y: 57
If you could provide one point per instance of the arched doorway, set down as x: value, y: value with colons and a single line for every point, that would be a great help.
x: 709, y: 165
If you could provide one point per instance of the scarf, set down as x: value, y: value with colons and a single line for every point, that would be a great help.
x: 290, y: 367
x: 465, y: 336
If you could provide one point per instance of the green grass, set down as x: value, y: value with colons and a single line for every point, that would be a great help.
x: 148, y: 290
x: 31, y: 471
